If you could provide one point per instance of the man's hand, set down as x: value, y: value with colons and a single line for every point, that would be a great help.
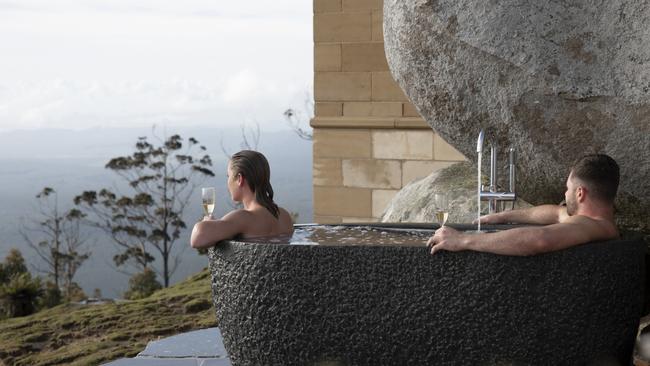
x: 446, y: 238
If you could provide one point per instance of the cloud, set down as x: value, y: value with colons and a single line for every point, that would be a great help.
x: 199, y: 8
x: 240, y: 87
x: 151, y: 61
x: 70, y: 104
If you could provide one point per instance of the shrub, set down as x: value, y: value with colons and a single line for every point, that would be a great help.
x: 142, y: 285
x: 51, y: 296
x: 75, y: 293
x: 20, y: 296
x: 14, y: 264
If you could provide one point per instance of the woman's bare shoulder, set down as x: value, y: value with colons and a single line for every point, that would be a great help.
x: 284, y: 212
x: 236, y: 215
x: 285, y: 219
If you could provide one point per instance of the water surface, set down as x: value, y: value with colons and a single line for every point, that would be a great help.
x: 351, y: 235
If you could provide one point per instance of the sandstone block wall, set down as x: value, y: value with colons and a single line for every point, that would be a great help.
x: 369, y: 140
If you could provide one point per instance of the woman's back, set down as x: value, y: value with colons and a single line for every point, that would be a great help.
x: 260, y: 222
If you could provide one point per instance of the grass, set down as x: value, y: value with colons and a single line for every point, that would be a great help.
x: 90, y: 335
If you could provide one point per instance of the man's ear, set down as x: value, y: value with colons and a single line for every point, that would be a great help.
x: 581, y: 193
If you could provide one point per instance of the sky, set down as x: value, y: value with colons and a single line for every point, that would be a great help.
x: 133, y: 63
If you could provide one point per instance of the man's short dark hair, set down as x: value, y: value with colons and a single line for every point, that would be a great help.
x: 600, y: 173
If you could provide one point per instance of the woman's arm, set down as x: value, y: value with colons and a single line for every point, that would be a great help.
x: 209, y: 232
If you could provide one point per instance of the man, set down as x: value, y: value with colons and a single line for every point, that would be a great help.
x: 588, y: 216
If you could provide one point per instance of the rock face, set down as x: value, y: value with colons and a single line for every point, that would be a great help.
x: 553, y: 79
x: 414, y: 203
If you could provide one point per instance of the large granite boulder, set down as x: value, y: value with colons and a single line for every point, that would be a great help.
x: 415, y: 203
x: 554, y: 79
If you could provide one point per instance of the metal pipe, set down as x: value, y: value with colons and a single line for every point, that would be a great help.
x: 512, y: 170
x: 493, y: 205
x: 501, y: 196
x: 493, y: 168
x: 491, y: 193
x: 479, y: 142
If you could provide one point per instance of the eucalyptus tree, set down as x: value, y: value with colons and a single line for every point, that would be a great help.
x: 55, y: 236
x: 148, y: 220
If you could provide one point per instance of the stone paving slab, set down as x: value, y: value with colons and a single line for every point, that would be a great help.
x: 198, y: 348
x: 170, y: 362
x: 199, y: 343
x: 154, y: 362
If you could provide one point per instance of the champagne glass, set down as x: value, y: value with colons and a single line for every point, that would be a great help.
x: 441, y: 201
x: 208, y: 198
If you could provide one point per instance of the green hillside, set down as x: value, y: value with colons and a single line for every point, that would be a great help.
x: 93, y: 334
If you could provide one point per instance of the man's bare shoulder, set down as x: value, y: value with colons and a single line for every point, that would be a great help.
x: 600, y: 229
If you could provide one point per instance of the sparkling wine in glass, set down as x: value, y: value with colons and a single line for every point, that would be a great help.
x: 208, y: 197
x: 441, y: 201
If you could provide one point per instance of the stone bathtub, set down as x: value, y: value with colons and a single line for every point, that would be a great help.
x: 342, y: 304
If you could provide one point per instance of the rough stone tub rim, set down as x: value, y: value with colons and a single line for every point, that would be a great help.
x: 388, y: 226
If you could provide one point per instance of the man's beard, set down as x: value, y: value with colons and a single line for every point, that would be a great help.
x: 571, y: 206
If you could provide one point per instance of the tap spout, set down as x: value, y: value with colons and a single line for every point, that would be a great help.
x: 479, y: 142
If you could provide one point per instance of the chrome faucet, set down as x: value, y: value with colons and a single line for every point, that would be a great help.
x: 491, y: 193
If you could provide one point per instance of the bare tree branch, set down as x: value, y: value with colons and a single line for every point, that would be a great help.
x: 57, y: 239
x: 297, y: 119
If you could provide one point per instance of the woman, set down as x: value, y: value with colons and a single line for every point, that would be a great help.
x: 249, y: 183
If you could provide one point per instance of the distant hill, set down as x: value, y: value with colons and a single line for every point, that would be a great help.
x: 73, y: 161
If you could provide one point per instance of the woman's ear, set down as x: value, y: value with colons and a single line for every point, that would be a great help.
x: 240, y: 180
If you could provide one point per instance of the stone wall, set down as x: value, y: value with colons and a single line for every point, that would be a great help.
x: 369, y: 141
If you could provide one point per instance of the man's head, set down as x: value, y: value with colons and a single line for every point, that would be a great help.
x: 595, y: 176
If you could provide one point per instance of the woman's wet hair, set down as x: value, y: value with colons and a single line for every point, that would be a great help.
x: 600, y: 173
x: 254, y: 167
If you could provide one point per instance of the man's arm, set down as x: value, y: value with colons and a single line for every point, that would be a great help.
x: 209, y: 232
x: 542, y: 215
x: 524, y: 241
